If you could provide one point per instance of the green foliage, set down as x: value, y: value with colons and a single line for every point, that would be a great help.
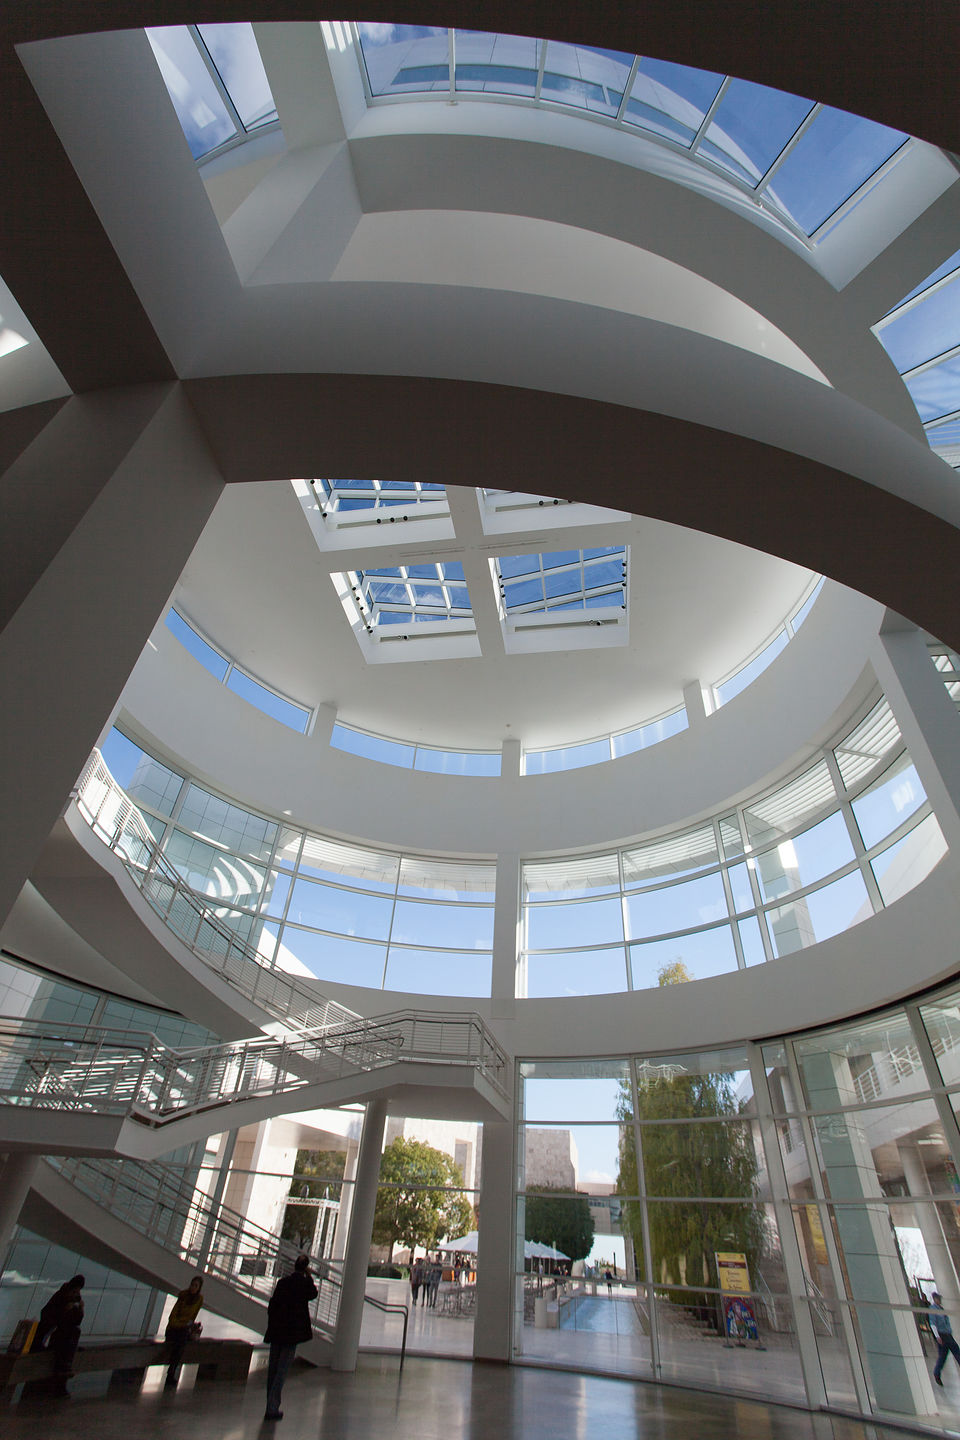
x: 317, y: 1175
x: 555, y: 1218
x: 418, y: 1201
x: 689, y: 1161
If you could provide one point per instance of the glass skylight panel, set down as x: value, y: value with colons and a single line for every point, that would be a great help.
x: 200, y: 107
x: 750, y: 128
x: 936, y: 391
x: 234, y: 51
x: 835, y: 155
x: 401, y: 594
x: 925, y: 329
x: 922, y: 337
x: 405, y: 59
x: 216, y: 81
x: 563, y: 580
x: 818, y: 157
x: 588, y: 78
x: 497, y: 64
x: 671, y: 100
x: 342, y: 495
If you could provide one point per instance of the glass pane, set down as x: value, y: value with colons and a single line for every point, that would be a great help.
x: 830, y: 161
x: 796, y: 863
x: 676, y: 855
x: 563, y: 1224
x: 329, y: 860
x: 686, y: 1238
x: 442, y: 880
x: 438, y: 972
x: 459, y: 927
x: 942, y: 1021
x: 572, y: 1090
x: 294, y: 716
x: 331, y: 957
x: 560, y: 1158
x: 227, y: 824
x: 675, y: 907
x: 588, y: 78
x: 405, y: 58
x: 910, y: 860
x: 577, y: 972
x: 670, y: 99
x: 936, y: 391
x: 372, y: 747
x: 209, y: 658
x: 632, y: 740
x: 719, y: 1158
x: 927, y: 330
x: 570, y: 757
x: 202, y: 114
x: 786, y: 809
x: 751, y: 941
x: 704, y: 1082
x: 348, y: 912
x: 455, y: 762
x: 866, y: 745
x: 819, y: 915
x: 145, y: 780
x: 594, y: 875
x: 499, y: 64
x: 236, y: 55
x: 749, y: 672
x: 741, y: 889
x: 894, y: 797
x: 750, y: 128
x: 685, y: 957
x: 859, y: 1062
x: 586, y: 922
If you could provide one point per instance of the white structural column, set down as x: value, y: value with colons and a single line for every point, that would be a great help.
x: 16, y: 1176
x: 148, y: 485
x: 505, y: 937
x: 350, y: 1319
x: 889, y: 1337
x: 926, y: 715
x: 495, y: 1249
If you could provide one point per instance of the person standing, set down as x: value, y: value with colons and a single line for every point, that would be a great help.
x: 436, y: 1275
x: 66, y: 1336
x: 182, y: 1319
x: 943, y: 1332
x: 288, y: 1325
x: 416, y: 1280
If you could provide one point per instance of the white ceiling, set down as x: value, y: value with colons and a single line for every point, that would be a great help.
x: 260, y: 589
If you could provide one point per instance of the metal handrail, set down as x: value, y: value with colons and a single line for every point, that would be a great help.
x: 103, y: 1070
x: 395, y: 1309
x: 162, y: 1203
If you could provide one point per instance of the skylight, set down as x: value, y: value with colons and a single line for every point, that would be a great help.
x: 804, y: 160
x: 216, y: 80
x: 343, y: 495
x: 922, y: 337
x: 562, y: 580
x: 404, y: 594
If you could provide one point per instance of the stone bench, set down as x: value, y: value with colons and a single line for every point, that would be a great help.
x: 129, y: 1359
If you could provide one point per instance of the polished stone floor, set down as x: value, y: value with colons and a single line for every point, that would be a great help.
x: 427, y: 1400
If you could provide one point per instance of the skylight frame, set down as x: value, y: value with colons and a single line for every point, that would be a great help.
x: 757, y: 194
x: 373, y: 607
x: 562, y: 606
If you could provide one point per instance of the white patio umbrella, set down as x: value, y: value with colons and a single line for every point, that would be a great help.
x: 467, y: 1244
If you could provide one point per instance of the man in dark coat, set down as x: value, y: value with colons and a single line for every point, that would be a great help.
x: 288, y: 1325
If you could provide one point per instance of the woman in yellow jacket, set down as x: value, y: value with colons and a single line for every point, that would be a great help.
x: 182, y: 1319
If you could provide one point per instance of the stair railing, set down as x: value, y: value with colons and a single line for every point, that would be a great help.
x: 163, y: 1204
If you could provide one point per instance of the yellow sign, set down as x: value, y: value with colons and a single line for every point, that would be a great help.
x: 816, y: 1234
x: 733, y: 1272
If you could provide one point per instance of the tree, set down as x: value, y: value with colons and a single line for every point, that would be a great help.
x: 418, y: 1199
x: 556, y: 1218
x: 701, y: 1163
x: 317, y: 1175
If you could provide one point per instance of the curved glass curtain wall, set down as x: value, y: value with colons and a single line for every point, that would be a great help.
x: 317, y: 906
x: 788, y: 869
x: 805, y: 162
x: 922, y: 337
x: 827, y: 1162
x: 792, y: 867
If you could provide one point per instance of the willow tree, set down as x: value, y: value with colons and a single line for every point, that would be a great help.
x: 701, y: 1176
